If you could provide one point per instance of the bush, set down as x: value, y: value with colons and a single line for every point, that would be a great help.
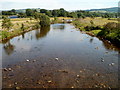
x: 6, y: 23
x: 111, y: 32
x: 23, y: 27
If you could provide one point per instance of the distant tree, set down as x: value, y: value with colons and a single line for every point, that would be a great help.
x: 21, y: 15
x: 29, y: 12
x: 43, y: 10
x: 14, y: 11
x: 62, y: 12
x: 49, y: 13
x: 55, y: 13
x: 73, y: 15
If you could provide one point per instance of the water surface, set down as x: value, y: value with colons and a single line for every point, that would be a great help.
x: 74, y: 48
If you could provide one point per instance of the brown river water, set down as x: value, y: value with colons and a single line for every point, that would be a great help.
x: 82, y: 61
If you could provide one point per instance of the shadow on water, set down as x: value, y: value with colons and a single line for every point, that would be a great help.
x: 42, y: 32
x: 8, y: 48
x: 108, y: 45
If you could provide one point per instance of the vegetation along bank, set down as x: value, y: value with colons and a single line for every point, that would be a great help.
x: 101, y: 24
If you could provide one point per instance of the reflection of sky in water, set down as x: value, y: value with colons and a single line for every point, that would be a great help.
x: 52, y: 42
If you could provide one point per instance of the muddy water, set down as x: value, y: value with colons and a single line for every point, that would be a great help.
x: 83, y: 61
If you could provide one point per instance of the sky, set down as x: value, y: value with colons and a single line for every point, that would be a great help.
x: 56, y: 4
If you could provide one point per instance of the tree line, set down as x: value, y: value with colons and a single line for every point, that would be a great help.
x: 60, y: 13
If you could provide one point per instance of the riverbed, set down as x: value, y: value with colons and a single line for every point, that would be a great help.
x: 59, y: 56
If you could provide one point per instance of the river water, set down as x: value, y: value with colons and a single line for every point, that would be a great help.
x: 75, y: 49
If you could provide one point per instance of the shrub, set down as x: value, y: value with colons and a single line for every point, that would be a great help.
x: 6, y: 23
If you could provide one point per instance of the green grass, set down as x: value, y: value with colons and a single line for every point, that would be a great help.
x: 16, y: 28
x: 98, y: 28
x: 95, y: 32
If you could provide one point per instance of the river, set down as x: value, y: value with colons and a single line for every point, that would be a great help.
x: 75, y: 51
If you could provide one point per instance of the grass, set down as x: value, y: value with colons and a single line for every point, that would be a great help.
x: 95, y: 32
x: 97, y: 27
x: 16, y: 28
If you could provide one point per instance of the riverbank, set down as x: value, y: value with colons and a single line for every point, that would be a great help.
x: 20, y: 25
x: 103, y: 28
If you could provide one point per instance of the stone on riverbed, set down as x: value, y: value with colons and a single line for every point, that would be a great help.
x: 27, y: 60
x: 56, y: 58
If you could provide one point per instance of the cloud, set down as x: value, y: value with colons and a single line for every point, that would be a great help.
x: 55, y: 4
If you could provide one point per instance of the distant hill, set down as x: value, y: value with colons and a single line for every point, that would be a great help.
x: 113, y: 9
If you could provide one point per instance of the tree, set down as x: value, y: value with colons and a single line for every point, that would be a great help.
x: 14, y: 11
x: 6, y: 23
x: 21, y: 15
x: 55, y: 13
x: 49, y: 13
x: 62, y: 12
x: 29, y: 12
x: 43, y: 10
x: 44, y: 20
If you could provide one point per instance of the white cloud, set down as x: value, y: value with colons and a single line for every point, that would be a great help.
x: 55, y: 4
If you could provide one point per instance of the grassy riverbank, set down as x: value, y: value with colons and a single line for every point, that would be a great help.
x: 92, y: 26
x: 19, y: 26
x: 101, y: 27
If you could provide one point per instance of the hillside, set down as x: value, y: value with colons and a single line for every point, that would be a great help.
x: 113, y: 9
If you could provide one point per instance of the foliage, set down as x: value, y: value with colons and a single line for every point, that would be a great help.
x: 61, y: 13
x: 22, y: 15
x: 23, y: 27
x: 6, y: 23
x: 111, y: 32
x: 44, y: 20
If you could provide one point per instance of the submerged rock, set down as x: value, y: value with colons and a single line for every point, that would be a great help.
x: 27, y: 60
x: 5, y: 69
x: 49, y: 81
x: 34, y: 60
x: 56, y: 58
x: 112, y: 64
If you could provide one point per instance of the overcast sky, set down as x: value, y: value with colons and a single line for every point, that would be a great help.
x: 56, y: 4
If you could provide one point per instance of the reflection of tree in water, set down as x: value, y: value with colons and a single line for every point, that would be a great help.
x: 42, y: 32
x: 91, y: 40
x: 9, y: 48
x: 110, y: 46
x: 23, y: 35
x: 61, y: 27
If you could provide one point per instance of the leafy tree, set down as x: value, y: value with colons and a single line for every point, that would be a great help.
x: 21, y: 15
x: 62, y: 12
x: 29, y: 12
x: 43, y: 10
x: 55, y: 13
x: 49, y: 13
x: 44, y: 20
